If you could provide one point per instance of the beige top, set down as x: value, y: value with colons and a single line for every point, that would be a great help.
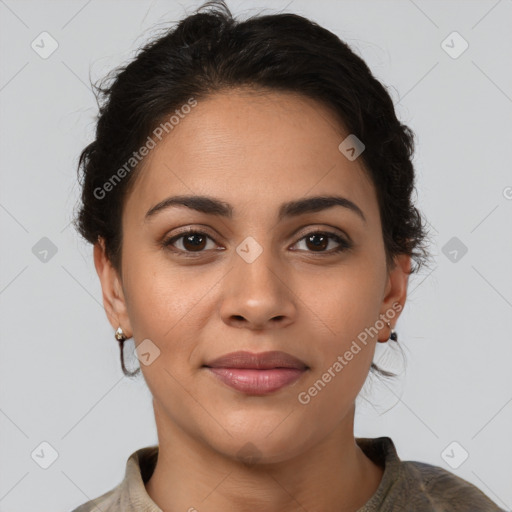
x: 405, y: 486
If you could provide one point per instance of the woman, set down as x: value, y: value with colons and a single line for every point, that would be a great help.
x: 248, y: 195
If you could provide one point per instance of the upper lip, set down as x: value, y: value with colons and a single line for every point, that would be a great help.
x: 259, y: 361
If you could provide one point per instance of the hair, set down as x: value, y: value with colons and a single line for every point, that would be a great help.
x: 209, y: 52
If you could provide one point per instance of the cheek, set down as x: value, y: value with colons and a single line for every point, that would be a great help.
x: 343, y: 345
x: 170, y: 306
x: 345, y: 301
x: 343, y: 305
x: 160, y: 297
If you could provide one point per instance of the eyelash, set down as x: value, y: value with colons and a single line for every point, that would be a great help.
x: 167, y: 243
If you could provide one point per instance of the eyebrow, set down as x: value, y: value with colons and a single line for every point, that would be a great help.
x: 213, y: 206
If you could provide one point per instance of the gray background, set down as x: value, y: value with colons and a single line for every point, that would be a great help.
x: 59, y: 367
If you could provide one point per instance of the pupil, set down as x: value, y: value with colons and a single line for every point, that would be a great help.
x: 189, y: 238
x: 320, y: 244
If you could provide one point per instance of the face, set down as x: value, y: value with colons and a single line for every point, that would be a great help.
x: 264, y: 277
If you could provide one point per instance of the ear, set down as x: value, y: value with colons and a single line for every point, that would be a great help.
x: 112, y: 290
x: 395, y: 293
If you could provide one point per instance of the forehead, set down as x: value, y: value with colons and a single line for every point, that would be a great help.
x: 254, y: 150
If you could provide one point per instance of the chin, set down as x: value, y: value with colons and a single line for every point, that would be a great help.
x: 263, y: 442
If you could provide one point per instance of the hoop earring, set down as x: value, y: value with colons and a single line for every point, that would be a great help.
x: 121, y: 338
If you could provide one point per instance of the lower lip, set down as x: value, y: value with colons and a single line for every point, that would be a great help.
x: 257, y: 382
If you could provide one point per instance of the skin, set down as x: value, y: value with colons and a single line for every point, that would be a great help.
x: 254, y: 151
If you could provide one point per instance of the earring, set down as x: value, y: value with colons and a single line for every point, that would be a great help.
x: 393, y: 335
x: 120, y: 335
x: 121, y: 338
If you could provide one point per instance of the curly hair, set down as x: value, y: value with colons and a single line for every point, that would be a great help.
x: 208, y: 52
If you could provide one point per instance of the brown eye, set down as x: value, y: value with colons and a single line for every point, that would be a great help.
x: 194, y: 242
x: 191, y: 241
x: 318, y: 241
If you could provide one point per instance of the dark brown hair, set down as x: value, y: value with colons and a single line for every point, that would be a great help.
x: 208, y: 52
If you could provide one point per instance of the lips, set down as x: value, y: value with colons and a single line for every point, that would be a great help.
x: 257, y: 374
x: 261, y: 361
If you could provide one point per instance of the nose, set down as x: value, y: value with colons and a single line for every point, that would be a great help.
x: 258, y: 294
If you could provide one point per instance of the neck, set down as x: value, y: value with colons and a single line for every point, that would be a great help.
x: 334, y: 475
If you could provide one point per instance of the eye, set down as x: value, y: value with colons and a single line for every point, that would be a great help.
x: 319, y: 240
x: 193, y: 241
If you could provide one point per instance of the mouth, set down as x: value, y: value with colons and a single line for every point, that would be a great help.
x: 257, y: 374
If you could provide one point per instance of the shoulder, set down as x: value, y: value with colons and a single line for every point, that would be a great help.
x: 443, y: 490
x: 105, y: 502
x: 412, y: 485
x: 130, y: 494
